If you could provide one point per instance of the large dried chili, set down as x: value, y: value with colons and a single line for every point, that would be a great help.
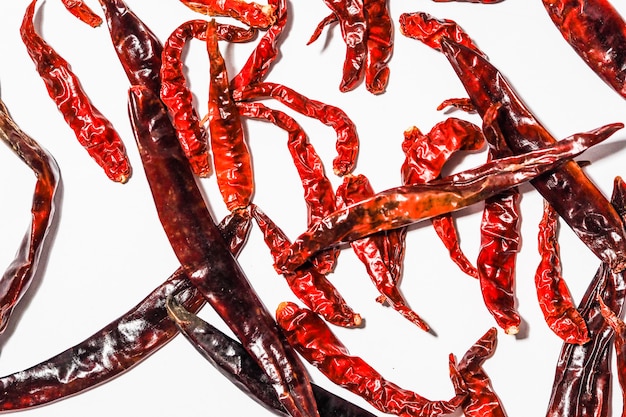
x: 93, y: 131
x: 18, y: 276
x: 202, y: 252
x: 317, y: 344
x: 401, y: 206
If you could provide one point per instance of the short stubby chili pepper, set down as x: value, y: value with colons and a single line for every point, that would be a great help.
x: 232, y: 360
x: 114, y: 349
x: 379, y: 45
x: 93, y: 131
x: 18, y: 276
x: 250, y: 13
x: 402, y: 206
x: 619, y: 328
x: 597, y: 32
x: 314, y: 340
x: 195, y: 239
x: 555, y: 299
x: 82, y: 12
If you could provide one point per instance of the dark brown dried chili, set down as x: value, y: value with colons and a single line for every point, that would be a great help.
x: 619, y: 328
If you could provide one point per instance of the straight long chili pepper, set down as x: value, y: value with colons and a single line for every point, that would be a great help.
x: 582, y: 381
x: 232, y: 360
x: 308, y: 333
x: 619, y: 328
x: 597, y: 32
x: 93, y: 131
x: 18, y: 276
x: 250, y: 13
x: 401, y: 206
x: 118, y: 347
x: 202, y: 252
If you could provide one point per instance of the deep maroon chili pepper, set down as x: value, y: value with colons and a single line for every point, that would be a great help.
x: 402, y: 206
x: 18, y: 276
x: 82, y: 12
x: 203, y: 253
x: 619, y: 328
x: 307, y: 283
x: 481, y: 401
x: 232, y: 360
x: 597, y: 32
x: 382, y: 261
x: 555, y: 299
x: 250, y: 13
x: 114, y: 349
x: 93, y: 131
x: 231, y: 156
x: 318, y: 345
x: 582, y: 382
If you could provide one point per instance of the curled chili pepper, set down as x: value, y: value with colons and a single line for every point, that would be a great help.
x: 197, y: 244
x: 93, y: 131
x: 402, y: 206
x: 318, y: 345
x: 232, y: 360
x: 17, y: 278
x: 250, y: 13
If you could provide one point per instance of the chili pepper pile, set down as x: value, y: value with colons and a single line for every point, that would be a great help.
x: 419, y: 307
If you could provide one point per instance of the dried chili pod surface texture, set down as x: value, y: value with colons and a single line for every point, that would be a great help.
x: 107, y: 251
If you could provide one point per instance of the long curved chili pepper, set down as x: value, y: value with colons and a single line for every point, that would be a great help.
x: 619, y: 328
x: 232, y: 360
x: 250, y: 13
x: 481, y: 401
x: 402, y: 206
x: 555, y: 299
x: 116, y: 348
x: 82, y: 12
x: 381, y: 259
x: 307, y: 283
x: 318, y: 345
x: 597, y: 32
x: 93, y: 131
x: 347, y: 144
x: 18, y: 276
x: 202, y: 252
x: 582, y: 378
x: 232, y: 160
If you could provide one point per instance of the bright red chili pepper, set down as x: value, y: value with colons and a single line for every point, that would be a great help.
x: 379, y: 45
x: 250, y: 13
x: 82, y: 12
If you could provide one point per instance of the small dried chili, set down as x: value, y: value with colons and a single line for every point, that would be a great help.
x: 18, y: 276
x: 619, y: 328
x: 401, y: 206
x: 93, y: 131
x: 318, y: 345
x: 555, y: 300
x: 196, y: 242
x: 232, y: 360
x: 379, y: 45
x: 250, y: 13
x: 82, y: 12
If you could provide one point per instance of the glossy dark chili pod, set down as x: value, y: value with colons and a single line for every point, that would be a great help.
x: 232, y: 360
x: 203, y: 253
x: 115, y: 349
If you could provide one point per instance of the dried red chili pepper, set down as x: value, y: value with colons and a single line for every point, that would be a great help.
x: 114, y: 349
x: 597, y: 32
x: 582, y: 382
x: 18, y: 276
x: 232, y: 160
x: 382, y: 260
x: 470, y: 1
x: 250, y: 13
x: 93, y: 131
x: 401, y: 206
x: 379, y: 45
x: 555, y: 300
x: 196, y: 242
x: 82, y: 12
x: 318, y: 345
x: 481, y: 401
x: 619, y: 328
x: 232, y: 360
x: 307, y: 283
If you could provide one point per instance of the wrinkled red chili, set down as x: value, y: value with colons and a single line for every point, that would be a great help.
x: 82, y: 12
x: 250, y: 13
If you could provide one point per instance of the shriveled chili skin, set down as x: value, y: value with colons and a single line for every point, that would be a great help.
x: 18, y: 276
x: 82, y: 12
x: 619, y: 329
x: 317, y: 344
x: 402, y: 206
x: 250, y: 13
x: 232, y: 360
x: 597, y: 32
x: 203, y: 253
x: 379, y: 45
x: 93, y: 131
x: 577, y: 200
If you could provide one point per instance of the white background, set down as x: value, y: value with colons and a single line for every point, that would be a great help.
x: 108, y: 250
